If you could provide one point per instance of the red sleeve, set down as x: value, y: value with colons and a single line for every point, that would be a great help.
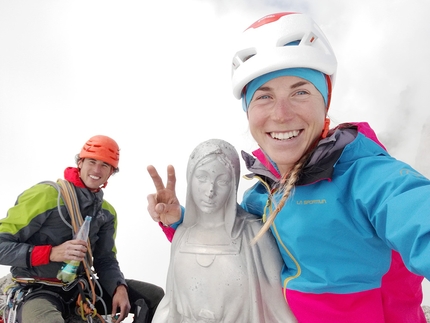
x: 168, y: 231
x: 40, y: 255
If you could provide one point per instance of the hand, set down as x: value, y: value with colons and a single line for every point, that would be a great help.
x: 69, y: 250
x: 120, y: 300
x: 164, y: 205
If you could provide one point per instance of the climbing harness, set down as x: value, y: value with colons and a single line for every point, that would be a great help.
x: 24, y: 288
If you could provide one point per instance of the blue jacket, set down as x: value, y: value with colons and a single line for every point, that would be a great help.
x: 353, y: 206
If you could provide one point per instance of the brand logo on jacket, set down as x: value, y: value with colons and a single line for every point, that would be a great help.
x: 406, y: 171
x: 306, y: 202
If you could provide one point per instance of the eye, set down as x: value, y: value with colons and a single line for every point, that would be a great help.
x: 223, y: 182
x: 201, y: 178
x: 261, y: 97
x: 264, y: 96
x: 301, y: 92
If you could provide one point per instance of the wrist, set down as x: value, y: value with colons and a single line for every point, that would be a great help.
x: 121, y: 289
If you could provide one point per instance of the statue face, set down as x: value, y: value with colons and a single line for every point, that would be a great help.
x: 211, y: 186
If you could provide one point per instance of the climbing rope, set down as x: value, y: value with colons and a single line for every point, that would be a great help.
x: 85, y: 307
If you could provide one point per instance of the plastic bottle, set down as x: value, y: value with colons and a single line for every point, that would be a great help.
x: 68, y: 271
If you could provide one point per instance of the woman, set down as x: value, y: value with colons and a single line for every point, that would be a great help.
x: 352, y: 223
x: 215, y: 273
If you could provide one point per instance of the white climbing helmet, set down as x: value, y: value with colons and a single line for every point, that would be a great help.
x: 279, y: 41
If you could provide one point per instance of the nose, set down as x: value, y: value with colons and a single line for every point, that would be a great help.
x: 210, y: 192
x: 282, y: 110
x: 97, y: 167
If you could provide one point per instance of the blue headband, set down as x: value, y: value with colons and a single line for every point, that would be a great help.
x: 315, y: 77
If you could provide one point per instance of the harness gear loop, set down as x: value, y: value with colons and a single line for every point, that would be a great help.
x: 85, y: 308
x: 16, y: 295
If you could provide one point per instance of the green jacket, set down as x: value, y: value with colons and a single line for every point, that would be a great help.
x: 35, y: 221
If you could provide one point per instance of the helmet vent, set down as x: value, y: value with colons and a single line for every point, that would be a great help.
x: 242, y: 56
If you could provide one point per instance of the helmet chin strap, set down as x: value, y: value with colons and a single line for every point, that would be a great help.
x: 326, y: 128
x: 327, y: 120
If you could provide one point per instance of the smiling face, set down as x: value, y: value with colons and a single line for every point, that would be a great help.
x: 211, y: 185
x: 94, y: 173
x: 286, y: 116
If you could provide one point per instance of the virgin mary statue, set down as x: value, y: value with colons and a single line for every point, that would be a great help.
x: 216, y: 274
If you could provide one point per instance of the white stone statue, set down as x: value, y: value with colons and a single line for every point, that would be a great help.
x: 216, y: 274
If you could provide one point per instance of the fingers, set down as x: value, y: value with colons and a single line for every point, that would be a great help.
x: 152, y: 203
x: 163, y: 205
x: 69, y: 250
x: 158, y: 182
x: 120, y: 301
x: 77, y: 245
x: 171, y: 178
x: 117, y: 318
x: 76, y: 250
x: 171, y: 213
x: 166, y: 213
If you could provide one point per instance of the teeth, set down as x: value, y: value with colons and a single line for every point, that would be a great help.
x: 94, y: 177
x: 284, y: 135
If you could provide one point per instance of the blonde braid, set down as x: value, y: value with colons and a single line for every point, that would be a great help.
x: 287, y: 183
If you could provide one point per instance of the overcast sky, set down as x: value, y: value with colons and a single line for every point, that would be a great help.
x: 155, y: 76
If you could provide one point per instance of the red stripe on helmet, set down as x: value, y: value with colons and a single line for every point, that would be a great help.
x: 268, y: 19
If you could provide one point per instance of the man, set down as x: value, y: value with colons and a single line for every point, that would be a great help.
x: 36, y: 239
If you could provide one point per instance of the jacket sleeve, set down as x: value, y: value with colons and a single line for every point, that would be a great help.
x: 169, y: 231
x: 21, y: 222
x: 397, y: 200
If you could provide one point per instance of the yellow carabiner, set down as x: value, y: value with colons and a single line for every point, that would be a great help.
x: 81, y: 306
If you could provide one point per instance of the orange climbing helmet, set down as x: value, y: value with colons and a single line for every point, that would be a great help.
x: 101, y: 148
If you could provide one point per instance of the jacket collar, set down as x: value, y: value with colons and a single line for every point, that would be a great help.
x: 319, y: 166
x: 71, y: 174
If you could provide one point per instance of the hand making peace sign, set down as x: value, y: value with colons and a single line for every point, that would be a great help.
x: 163, y: 206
